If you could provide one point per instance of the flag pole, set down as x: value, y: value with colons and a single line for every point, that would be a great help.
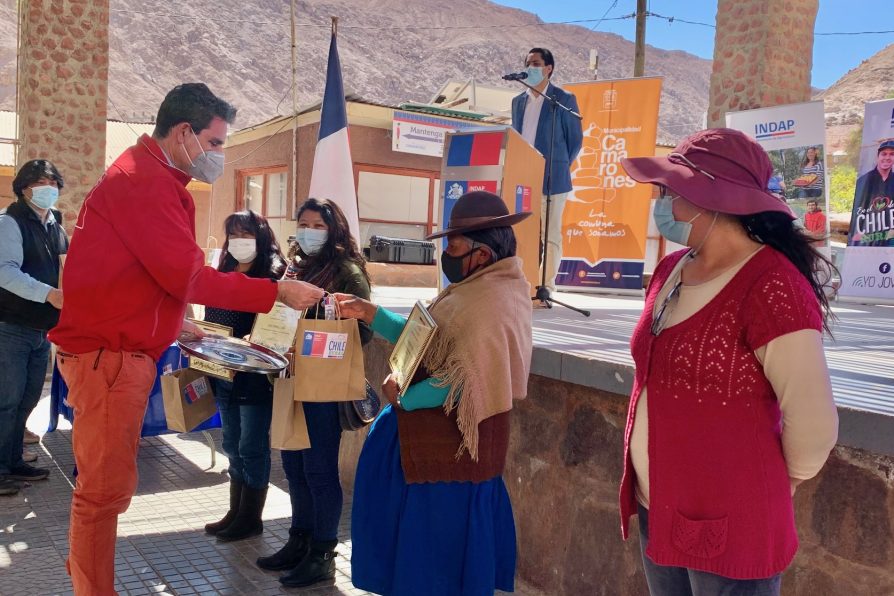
x: 293, y: 197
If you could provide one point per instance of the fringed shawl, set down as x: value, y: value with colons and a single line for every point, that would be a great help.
x: 482, y: 349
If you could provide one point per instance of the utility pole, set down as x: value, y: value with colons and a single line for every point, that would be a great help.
x: 639, y: 57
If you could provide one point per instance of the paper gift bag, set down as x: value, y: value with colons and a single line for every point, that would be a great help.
x: 288, y: 429
x: 188, y: 399
x: 328, y: 361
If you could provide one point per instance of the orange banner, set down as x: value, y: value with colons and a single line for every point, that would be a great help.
x: 606, y: 214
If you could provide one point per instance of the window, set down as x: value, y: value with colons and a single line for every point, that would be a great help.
x: 265, y: 191
x: 395, y: 202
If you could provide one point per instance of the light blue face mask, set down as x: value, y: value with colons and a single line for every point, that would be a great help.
x: 44, y: 197
x: 670, y: 228
x: 535, y: 75
x: 310, y: 240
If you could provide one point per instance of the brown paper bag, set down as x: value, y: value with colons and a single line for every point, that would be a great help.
x: 328, y: 361
x: 288, y: 429
x: 188, y: 399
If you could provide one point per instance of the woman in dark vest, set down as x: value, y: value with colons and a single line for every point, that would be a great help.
x: 31, y: 240
x: 431, y: 512
x: 246, y: 404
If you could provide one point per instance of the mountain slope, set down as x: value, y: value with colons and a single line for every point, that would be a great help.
x: 391, y: 51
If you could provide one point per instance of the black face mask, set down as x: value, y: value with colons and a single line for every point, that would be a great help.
x: 453, y: 266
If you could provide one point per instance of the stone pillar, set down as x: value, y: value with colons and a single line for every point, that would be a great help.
x: 763, y: 53
x: 63, y: 73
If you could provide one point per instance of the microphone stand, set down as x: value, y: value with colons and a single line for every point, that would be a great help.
x: 543, y: 293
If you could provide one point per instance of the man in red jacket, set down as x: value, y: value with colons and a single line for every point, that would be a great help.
x: 132, y: 268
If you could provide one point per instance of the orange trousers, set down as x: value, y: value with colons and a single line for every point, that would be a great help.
x: 108, y: 392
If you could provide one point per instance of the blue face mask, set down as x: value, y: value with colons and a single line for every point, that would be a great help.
x: 44, y: 197
x: 535, y: 75
x: 670, y: 228
x: 310, y: 240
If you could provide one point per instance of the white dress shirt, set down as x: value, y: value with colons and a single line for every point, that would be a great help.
x: 532, y: 116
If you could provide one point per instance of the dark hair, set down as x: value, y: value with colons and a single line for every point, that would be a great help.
x: 814, y: 201
x: 547, y: 58
x: 776, y: 230
x: 193, y: 103
x: 501, y: 241
x: 322, y: 268
x: 817, y: 158
x: 31, y: 172
x: 269, y: 262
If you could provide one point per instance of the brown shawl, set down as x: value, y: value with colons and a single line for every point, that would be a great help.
x: 482, y: 349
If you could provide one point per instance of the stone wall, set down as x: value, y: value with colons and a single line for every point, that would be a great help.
x: 563, y: 473
x: 763, y: 53
x: 62, y: 91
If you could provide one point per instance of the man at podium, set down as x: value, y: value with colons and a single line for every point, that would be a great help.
x: 534, y: 122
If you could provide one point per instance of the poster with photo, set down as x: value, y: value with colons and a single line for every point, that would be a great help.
x: 794, y: 137
x: 869, y: 256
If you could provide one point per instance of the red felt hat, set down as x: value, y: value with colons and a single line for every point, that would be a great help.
x: 718, y: 169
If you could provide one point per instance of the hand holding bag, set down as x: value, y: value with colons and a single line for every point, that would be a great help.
x: 328, y: 361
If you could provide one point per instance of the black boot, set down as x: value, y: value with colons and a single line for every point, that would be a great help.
x: 235, y: 496
x: 290, y: 555
x: 317, y: 566
x: 247, y: 522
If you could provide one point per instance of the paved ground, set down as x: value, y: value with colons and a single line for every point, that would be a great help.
x: 162, y: 548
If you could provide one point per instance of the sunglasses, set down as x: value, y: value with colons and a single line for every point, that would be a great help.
x: 660, y: 320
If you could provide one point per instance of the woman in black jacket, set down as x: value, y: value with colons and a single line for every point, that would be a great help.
x: 246, y: 404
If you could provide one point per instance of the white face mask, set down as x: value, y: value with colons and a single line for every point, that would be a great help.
x: 243, y: 250
x: 310, y: 240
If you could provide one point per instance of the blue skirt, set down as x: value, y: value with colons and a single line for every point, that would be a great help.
x: 437, y: 539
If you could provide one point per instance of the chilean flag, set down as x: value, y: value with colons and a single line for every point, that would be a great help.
x: 333, y: 172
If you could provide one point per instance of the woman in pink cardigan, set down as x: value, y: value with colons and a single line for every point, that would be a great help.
x: 732, y: 405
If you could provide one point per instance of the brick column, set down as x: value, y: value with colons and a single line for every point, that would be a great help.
x: 763, y: 53
x: 63, y: 73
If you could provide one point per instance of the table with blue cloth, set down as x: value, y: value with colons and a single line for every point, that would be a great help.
x: 154, y: 422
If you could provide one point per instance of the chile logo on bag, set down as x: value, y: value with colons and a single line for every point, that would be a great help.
x: 319, y: 344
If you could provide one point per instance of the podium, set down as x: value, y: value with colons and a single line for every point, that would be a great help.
x: 496, y: 159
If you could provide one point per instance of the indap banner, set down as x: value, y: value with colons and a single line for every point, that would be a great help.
x: 794, y: 137
x: 606, y: 216
x: 868, y: 272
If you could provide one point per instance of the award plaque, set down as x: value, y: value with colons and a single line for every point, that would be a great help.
x: 411, y: 346
x: 276, y: 329
x: 234, y: 354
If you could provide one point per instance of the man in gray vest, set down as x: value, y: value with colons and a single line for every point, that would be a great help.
x: 31, y: 240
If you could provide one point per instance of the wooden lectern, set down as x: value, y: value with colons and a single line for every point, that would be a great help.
x: 496, y: 159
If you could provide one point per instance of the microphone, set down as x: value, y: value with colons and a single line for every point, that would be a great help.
x: 515, y: 76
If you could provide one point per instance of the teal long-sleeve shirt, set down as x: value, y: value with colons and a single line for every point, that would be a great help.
x: 424, y: 394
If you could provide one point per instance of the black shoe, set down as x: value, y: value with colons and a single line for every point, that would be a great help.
x: 290, y: 555
x: 247, y: 522
x: 27, y: 472
x: 317, y: 566
x: 235, y: 497
x: 9, y: 486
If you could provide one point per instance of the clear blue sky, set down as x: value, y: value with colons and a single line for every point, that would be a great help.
x: 833, y: 56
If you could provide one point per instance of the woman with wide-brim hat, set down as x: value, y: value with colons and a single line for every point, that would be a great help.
x: 732, y: 405
x: 431, y: 512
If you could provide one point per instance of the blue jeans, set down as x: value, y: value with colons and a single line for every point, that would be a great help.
x: 314, y: 485
x: 679, y: 581
x: 24, y: 355
x: 246, y: 436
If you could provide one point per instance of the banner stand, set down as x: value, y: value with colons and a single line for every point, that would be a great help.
x: 605, y: 221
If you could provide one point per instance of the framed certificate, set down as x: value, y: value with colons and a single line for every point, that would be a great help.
x: 276, y: 329
x: 212, y: 368
x: 411, y: 346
